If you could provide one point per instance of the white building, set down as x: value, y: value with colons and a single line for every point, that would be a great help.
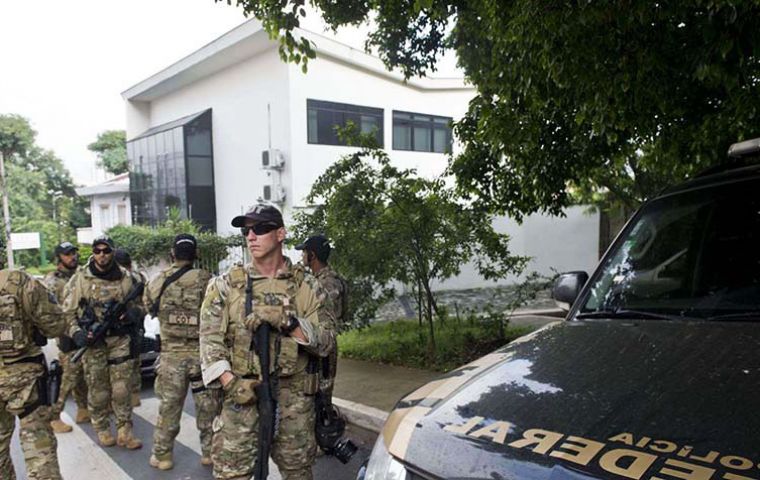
x: 197, y: 130
x: 109, y: 206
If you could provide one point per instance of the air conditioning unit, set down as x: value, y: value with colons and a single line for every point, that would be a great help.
x: 272, y: 158
x: 274, y: 194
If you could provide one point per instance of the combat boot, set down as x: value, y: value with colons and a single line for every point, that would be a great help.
x: 106, y: 439
x: 126, y: 439
x: 161, y: 462
x: 83, y: 415
x: 136, y: 402
x: 206, y: 460
x: 59, y: 426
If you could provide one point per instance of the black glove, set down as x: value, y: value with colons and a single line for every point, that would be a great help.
x: 80, y: 338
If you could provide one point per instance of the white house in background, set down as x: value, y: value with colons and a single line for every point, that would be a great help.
x: 231, y: 123
x: 109, y: 206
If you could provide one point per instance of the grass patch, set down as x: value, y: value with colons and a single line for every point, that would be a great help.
x: 403, y: 342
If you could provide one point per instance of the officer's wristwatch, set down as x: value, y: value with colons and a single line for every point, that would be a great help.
x: 291, y: 325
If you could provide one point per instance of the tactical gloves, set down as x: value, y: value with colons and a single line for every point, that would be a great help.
x: 80, y: 338
x: 274, y: 315
x: 241, y: 390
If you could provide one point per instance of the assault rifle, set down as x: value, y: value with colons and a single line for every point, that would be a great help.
x: 113, y: 313
x: 266, y: 392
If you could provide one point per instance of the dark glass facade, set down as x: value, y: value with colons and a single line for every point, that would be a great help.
x: 172, y: 166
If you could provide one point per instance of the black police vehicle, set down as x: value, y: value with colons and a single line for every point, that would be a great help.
x: 654, y: 374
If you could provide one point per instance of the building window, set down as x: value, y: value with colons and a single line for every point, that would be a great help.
x: 105, y: 216
x: 421, y: 133
x: 121, y: 210
x: 324, y: 117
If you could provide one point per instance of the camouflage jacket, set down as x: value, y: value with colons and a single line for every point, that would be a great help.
x: 225, y: 341
x: 337, y: 290
x: 179, y: 307
x: 55, y: 282
x: 84, y: 287
x: 25, y: 303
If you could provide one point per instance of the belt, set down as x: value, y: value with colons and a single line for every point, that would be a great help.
x: 119, y: 360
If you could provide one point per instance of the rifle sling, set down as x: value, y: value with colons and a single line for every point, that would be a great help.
x: 171, y: 279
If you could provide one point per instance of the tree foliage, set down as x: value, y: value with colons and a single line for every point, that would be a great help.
x: 111, y: 149
x: 389, y: 225
x: 149, y: 245
x: 39, y: 189
x: 592, y: 101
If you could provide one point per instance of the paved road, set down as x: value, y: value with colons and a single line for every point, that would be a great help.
x: 82, y: 459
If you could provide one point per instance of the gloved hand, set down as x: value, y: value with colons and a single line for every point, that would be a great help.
x: 274, y: 315
x: 241, y: 390
x: 80, y: 338
x: 133, y: 316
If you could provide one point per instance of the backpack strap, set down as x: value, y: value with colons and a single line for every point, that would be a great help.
x: 171, y: 279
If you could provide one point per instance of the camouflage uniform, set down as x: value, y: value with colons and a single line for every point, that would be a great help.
x: 136, y: 371
x: 108, y: 367
x: 337, y: 291
x: 225, y: 346
x: 72, y: 380
x: 25, y: 303
x: 180, y: 367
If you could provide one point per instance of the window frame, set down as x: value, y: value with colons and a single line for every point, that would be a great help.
x: 342, y: 108
x: 428, y: 122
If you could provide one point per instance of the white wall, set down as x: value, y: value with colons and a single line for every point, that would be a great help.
x: 103, y: 219
x: 332, y: 81
x: 559, y: 243
x: 238, y: 96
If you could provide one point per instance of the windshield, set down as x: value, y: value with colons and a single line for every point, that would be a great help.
x: 694, y: 254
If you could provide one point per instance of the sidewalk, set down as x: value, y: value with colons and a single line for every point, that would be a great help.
x: 366, y: 392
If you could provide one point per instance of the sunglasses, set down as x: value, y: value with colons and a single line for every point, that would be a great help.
x: 105, y: 251
x: 259, y: 229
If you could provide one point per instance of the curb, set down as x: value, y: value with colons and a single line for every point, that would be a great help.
x: 369, y: 418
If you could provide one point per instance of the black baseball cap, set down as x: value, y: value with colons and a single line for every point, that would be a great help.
x: 185, y: 240
x: 260, y: 213
x: 319, y: 244
x: 122, y: 257
x: 104, y: 239
x: 65, y: 248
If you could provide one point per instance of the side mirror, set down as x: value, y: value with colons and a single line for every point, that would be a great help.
x: 567, y: 287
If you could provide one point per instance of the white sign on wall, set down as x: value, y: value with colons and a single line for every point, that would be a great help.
x: 25, y: 241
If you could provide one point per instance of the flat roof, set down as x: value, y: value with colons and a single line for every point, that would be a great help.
x: 249, y: 39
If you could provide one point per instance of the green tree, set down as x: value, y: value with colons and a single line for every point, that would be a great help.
x: 39, y: 188
x: 111, y: 149
x: 592, y: 101
x: 389, y: 225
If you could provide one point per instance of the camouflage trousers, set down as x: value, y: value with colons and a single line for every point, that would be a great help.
x: 18, y: 391
x: 72, y: 382
x: 327, y: 382
x: 295, y: 446
x: 176, y: 372
x: 136, y: 376
x: 109, y: 373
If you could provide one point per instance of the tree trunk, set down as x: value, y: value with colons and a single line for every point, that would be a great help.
x: 431, y: 345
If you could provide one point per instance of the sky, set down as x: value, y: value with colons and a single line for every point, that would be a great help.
x: 65, y: 63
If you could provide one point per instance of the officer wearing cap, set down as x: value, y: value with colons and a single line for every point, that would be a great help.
x: 124, y: 260
x: 107, y: 365
x: 72, y: 381
x: 291, y: 301
x: 316, y: 250
x: 175, y: 297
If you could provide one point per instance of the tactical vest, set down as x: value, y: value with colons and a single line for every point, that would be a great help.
x: 179, y: 310
x: 15, y: 333
x: 283, y: 350
x: 99, y: 292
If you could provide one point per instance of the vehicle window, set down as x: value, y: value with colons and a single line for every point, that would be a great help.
x: 695, y: 254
